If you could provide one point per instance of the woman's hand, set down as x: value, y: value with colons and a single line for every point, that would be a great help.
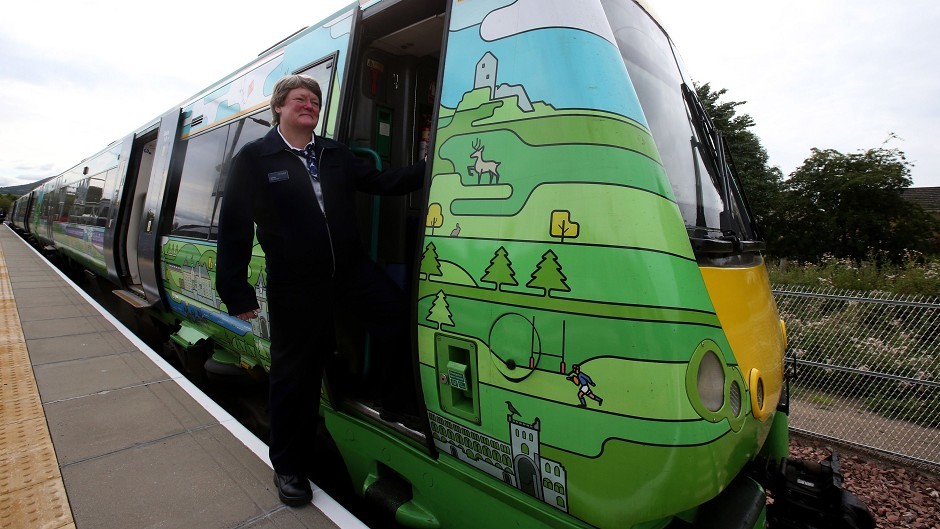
x: 250, y: 315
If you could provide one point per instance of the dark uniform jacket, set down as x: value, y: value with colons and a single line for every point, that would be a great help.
x: 269, y: 186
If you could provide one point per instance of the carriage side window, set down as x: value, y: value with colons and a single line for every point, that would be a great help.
x: 75, y: 200
x: 246, y: 130
x: 199, y: 180
x: 109, y: 185
x: 93, y: 198
x: 67, y: 194
x: 87, y: 200
x: 322, y: 71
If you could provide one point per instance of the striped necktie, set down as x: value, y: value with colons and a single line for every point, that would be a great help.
x: 311, y: 158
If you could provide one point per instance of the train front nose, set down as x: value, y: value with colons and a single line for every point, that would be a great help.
x: 745, y: 307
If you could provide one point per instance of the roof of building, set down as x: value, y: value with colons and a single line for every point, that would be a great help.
x: 927, y: 197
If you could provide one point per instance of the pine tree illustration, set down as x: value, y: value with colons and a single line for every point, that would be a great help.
x: 548, y: 275
x: 440, y: 311
x: 500, y: 270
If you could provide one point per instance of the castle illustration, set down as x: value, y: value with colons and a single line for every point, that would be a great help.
x: 259, y: 325
x: 485, y: 77
x: 197, y: 284
x: 519, y: 463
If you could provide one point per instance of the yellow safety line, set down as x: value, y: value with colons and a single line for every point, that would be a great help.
x: 32, y: 494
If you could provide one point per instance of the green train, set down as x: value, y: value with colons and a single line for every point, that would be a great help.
x: 593, y: 328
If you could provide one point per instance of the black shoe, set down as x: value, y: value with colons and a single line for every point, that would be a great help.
x: 293, y: 489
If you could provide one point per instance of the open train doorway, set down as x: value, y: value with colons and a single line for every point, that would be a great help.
x: 393, y: 94
x: 389, y: 101
x: 132, y: 215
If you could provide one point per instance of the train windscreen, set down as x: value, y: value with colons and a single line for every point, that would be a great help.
x: 693, y: 154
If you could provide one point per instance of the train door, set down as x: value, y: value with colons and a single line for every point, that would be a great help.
x: 28, y: 211
x: 389, y: 102
x: 142, y: 197
x: 46, y: 214
x: 128, y: 198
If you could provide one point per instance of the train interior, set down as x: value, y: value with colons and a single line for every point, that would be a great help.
x: 392, y: 91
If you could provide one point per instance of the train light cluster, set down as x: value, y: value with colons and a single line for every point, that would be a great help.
x: 715, y: 388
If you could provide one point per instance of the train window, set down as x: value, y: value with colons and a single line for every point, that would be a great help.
x: 246, y: 130
x: 84, y: 210
x: 202, y: 168
x: 107, y: 196
x: 67, y: 195
x: 93, y: 199
x: 658, y: 77
x: 76, y: 191
x: 322, y: 71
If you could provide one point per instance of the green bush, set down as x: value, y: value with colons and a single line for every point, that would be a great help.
x: 881, y: 353
x: 917, y: 274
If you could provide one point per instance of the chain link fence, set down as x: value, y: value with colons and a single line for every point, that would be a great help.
x: 867, y: 369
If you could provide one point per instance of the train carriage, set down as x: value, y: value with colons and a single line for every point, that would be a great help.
x: 593, y: 329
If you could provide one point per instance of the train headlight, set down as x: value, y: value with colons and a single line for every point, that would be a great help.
x: 758, y: 395
x: 716, y: 390
x: 710, y: 382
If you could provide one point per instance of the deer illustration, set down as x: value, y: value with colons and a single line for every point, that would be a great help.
x: 482, y: 166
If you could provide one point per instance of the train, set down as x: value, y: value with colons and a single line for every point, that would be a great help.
x: 593, y: 332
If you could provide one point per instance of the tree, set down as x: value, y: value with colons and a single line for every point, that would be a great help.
x: 430, y: 265
x: 561, y: 225
x: 763, y: 184
x: 851, y: 205
x: 440, y: 311
x: 435, y: 218
x: 6, y: 202
x: 500, y: 270
x: 548, y: 275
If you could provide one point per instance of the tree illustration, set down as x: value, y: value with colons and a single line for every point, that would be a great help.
x: 440, y: 312
x: 435, y: 217
x: 562, y: 225
x: 430, y: 265
x: 500, y: 271
x: 548, y: 276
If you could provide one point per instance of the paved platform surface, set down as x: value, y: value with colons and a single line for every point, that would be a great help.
x: 98, y: 432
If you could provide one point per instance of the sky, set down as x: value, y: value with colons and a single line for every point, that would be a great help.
x: 848, y: 75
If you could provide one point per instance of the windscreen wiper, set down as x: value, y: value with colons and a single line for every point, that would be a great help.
x: 714, y: 150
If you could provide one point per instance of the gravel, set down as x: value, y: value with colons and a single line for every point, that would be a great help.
x: 897, y: 495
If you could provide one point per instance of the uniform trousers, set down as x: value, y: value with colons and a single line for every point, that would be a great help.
x: 303, y: 320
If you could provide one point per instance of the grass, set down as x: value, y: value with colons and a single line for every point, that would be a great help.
x: 916, y: 275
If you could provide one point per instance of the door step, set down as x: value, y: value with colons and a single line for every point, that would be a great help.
x: 133, y: 299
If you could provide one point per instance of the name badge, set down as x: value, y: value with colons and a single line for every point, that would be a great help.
x: 278, y: 176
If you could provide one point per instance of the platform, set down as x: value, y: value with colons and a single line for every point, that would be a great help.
x: 97, y: 431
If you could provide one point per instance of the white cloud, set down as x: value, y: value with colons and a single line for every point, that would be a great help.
x: 79, y: 75
x: 528, y: 15
x: 838, y: 74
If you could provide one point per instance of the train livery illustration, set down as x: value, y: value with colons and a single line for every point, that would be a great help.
x: 593, y: 329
